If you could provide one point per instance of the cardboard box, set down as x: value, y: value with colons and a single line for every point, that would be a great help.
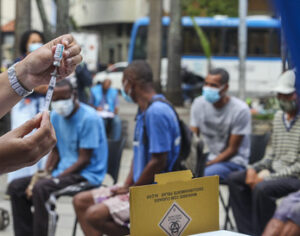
x: 176, y: 205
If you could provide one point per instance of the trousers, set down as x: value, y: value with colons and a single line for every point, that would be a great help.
x: 253, y: 208
x: 35, y: 223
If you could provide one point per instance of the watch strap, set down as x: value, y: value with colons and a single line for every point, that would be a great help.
x: 15, y: 84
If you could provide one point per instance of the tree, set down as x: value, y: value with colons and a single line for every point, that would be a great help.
x: 210, y: 7
x: 154, y: 40
x: 46, y: 24
x: 174, y: 55
x: 62, y: 19
x: 23, y: 22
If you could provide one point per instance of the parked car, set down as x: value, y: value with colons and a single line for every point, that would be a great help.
x: 114, y: 73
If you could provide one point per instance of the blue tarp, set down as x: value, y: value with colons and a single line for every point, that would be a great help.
x: 290, y: 19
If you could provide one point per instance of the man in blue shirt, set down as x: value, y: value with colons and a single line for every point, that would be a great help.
x: 156, y: 149
x: 80, y: 155
x: 104, y: 99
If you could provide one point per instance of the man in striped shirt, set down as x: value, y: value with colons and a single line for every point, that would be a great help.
x: 253, y: 192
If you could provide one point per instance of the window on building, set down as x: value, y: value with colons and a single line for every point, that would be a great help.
x: 128, y: 29
x: 120, y: 58
x: 119, y: 30
x: 111, y: 56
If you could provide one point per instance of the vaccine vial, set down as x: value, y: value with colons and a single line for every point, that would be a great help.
x: 58, y: 54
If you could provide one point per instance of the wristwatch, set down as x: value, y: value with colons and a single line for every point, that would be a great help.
x: 15, y: 83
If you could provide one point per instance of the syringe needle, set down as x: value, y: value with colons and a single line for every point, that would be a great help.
x: 57, y: 58
x: 50, y: 92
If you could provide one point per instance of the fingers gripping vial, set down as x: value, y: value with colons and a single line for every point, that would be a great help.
x: 57, y: 59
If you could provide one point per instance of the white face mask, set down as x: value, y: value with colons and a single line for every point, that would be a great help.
x: 63, y: 107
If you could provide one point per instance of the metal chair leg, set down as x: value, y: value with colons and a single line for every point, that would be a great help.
x: 226, y: 208
x: 75, y: 227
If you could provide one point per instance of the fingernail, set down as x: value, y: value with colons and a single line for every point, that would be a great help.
x: 66, y: 42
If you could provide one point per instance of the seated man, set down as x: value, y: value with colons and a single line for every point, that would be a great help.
x: 105, y: 100
x: 80, y: 155
x: 106, y: 210
x: 225, y: 123
x: 253, y: 192
x: 286, y: 220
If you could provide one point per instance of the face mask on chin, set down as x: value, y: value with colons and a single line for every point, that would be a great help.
x: 63, y: 107
x: 211, y: 95
x: 126, y: 96
x: 287, y: 106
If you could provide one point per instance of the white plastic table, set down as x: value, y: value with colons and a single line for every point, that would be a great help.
x: 219, y: 233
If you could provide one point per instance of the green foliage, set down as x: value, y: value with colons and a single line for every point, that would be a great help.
x: 263, y: 116
x: 203, y: 39
x: 210, y: 7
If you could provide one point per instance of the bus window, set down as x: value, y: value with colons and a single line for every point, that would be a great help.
x: 263, y: 43
x: 191, y: 42
x: 140, y: 47
x: 230, y: 42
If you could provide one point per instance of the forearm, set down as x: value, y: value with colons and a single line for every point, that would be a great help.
x: 13, y: 155
x: 265, y: 163
x: 41, y: 89
x: 129, y: 179
x: 8, y: 97
x: 225, y: 155
x: 289, y: 171
x: 153, y: 167
x: 52, y: 160
x: 75, y: 168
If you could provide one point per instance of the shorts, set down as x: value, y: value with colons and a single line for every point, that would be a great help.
x: 118, y: 205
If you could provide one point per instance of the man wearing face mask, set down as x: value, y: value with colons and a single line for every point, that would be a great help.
x: 106, y: 210
x: 105, y: 99
x: 225, y: 124
x: 80, y: 155
x: 253, y: 192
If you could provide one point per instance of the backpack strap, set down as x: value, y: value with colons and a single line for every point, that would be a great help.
x: 159, y: 99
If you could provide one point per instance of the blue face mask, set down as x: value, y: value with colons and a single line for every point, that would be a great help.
x: 34, y: 46
x: 211, y: 95
x: 126, y: 96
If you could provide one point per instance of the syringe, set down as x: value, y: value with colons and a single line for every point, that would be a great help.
x: 57, y: 58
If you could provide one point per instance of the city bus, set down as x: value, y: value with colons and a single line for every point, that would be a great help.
x: 263, y: 63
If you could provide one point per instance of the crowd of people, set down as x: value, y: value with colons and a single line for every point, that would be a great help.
x: 83, y: 125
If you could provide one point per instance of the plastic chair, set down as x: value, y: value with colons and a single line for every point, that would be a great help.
x: 257, y: 152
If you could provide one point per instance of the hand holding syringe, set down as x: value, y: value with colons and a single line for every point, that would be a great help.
x: 57, y: 59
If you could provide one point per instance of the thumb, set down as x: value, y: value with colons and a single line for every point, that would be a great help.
x: 28, y: 126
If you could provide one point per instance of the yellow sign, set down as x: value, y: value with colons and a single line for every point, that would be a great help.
x: 177, y: 205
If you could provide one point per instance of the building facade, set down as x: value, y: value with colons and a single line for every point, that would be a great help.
x: 113, y: 21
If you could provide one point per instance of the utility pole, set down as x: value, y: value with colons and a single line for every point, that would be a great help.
x: 243, y: 7
x: 154, y: 41
x: 62, y: 20
x: 23, y: 22
x: 174, y: 93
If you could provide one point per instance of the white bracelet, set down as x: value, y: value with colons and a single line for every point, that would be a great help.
x: 15, y: 84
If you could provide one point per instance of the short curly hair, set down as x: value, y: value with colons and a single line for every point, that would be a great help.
x: 141, y: 71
